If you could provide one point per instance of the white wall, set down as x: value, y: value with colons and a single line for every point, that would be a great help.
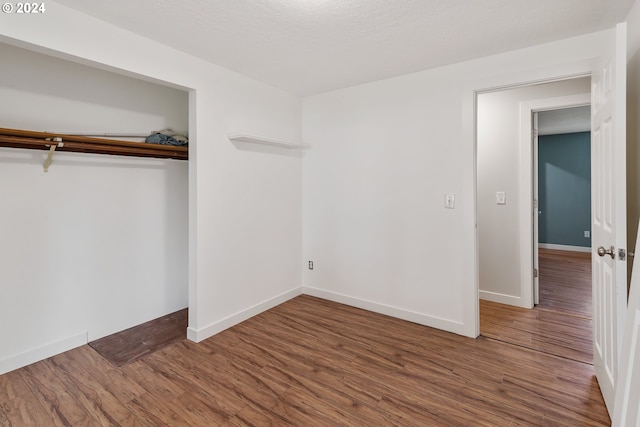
x: 48, y: 94
x: 384, y: 156
x: 498, y: 169
x: 633, y: 126
x: 245, y: 205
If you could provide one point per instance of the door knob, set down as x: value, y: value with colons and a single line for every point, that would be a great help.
x: 602, y: 251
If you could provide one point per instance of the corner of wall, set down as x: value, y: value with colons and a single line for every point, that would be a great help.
x: 210, y: 330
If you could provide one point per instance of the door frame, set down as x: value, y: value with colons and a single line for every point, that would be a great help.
x: 545, y: 67
x: 527, y: 207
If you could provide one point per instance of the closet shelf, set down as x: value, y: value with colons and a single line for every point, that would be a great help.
x: 33, y: 140
x: 243, y: 137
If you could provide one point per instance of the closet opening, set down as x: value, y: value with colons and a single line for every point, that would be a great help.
x: 99, y: 243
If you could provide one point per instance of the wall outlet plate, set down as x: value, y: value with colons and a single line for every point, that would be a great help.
x: 450, y: 201
x: 501, y: 198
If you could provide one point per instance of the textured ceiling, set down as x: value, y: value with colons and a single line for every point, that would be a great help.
x: 313, y: 46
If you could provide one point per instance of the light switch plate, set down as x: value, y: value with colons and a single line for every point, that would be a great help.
x: 501, y: 198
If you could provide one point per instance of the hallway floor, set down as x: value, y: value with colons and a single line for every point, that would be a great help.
x: 561, y: 324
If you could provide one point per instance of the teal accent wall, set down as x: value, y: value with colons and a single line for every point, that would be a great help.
x: 564, y: 189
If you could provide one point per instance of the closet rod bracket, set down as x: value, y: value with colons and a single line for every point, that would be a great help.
x: 52, y: 149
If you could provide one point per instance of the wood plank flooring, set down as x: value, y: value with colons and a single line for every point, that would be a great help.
x: 543, y: 330
x: 133, y: 343
x: 310, y: 362
x: 561, y: 324
x: 565, y: 281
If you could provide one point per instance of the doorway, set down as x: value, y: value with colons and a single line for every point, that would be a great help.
x: 506, y: 223
x: 562, y: 227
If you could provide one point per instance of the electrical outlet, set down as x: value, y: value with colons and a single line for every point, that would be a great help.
x: 450, y: 201
x: 501, y: 198
x: 310, y: 265
x: 587, y: 233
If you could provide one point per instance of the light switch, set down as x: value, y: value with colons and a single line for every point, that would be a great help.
x: 501, y: 198
x: 449, y: 201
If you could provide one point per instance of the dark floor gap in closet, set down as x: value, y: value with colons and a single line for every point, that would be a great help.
x: 131, y: 344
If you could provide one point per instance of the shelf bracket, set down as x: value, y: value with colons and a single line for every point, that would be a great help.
x: 52, y: 149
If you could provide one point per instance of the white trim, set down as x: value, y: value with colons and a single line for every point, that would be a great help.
x: 37, y: 354
x: 579, y: 67
x: 526, y: 184
x: 399, y: 313
x: 468, y: 249
x: 502, y: 298
x: 564, y: 247
x: 411, y: 316
x: 198, y: 335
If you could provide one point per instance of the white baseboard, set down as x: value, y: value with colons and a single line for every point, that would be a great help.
x: 198, y: 335
x: 564, y: 247
x: 411, y: 316
x: 501, y: 298
x: 35, y: 355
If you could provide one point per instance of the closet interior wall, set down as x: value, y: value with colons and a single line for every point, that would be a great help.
x: 99, y: 243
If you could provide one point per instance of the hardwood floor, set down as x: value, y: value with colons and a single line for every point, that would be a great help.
x: 310, y: 362
x: 565, y: 281
x: 561, y: 323
x: 542, y: 330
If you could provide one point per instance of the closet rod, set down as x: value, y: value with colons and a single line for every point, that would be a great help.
x: 105, y: 134
x: 18, y: 138
x: 88, y: 140
x: 80, y: 147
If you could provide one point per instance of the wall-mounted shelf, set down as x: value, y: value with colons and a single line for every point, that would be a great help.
x: 50, y: 141
x: 243, y: 137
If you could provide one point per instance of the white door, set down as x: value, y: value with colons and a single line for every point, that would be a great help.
x: 608, y: 156
x: 536, y: 213
x: 626, y: 412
